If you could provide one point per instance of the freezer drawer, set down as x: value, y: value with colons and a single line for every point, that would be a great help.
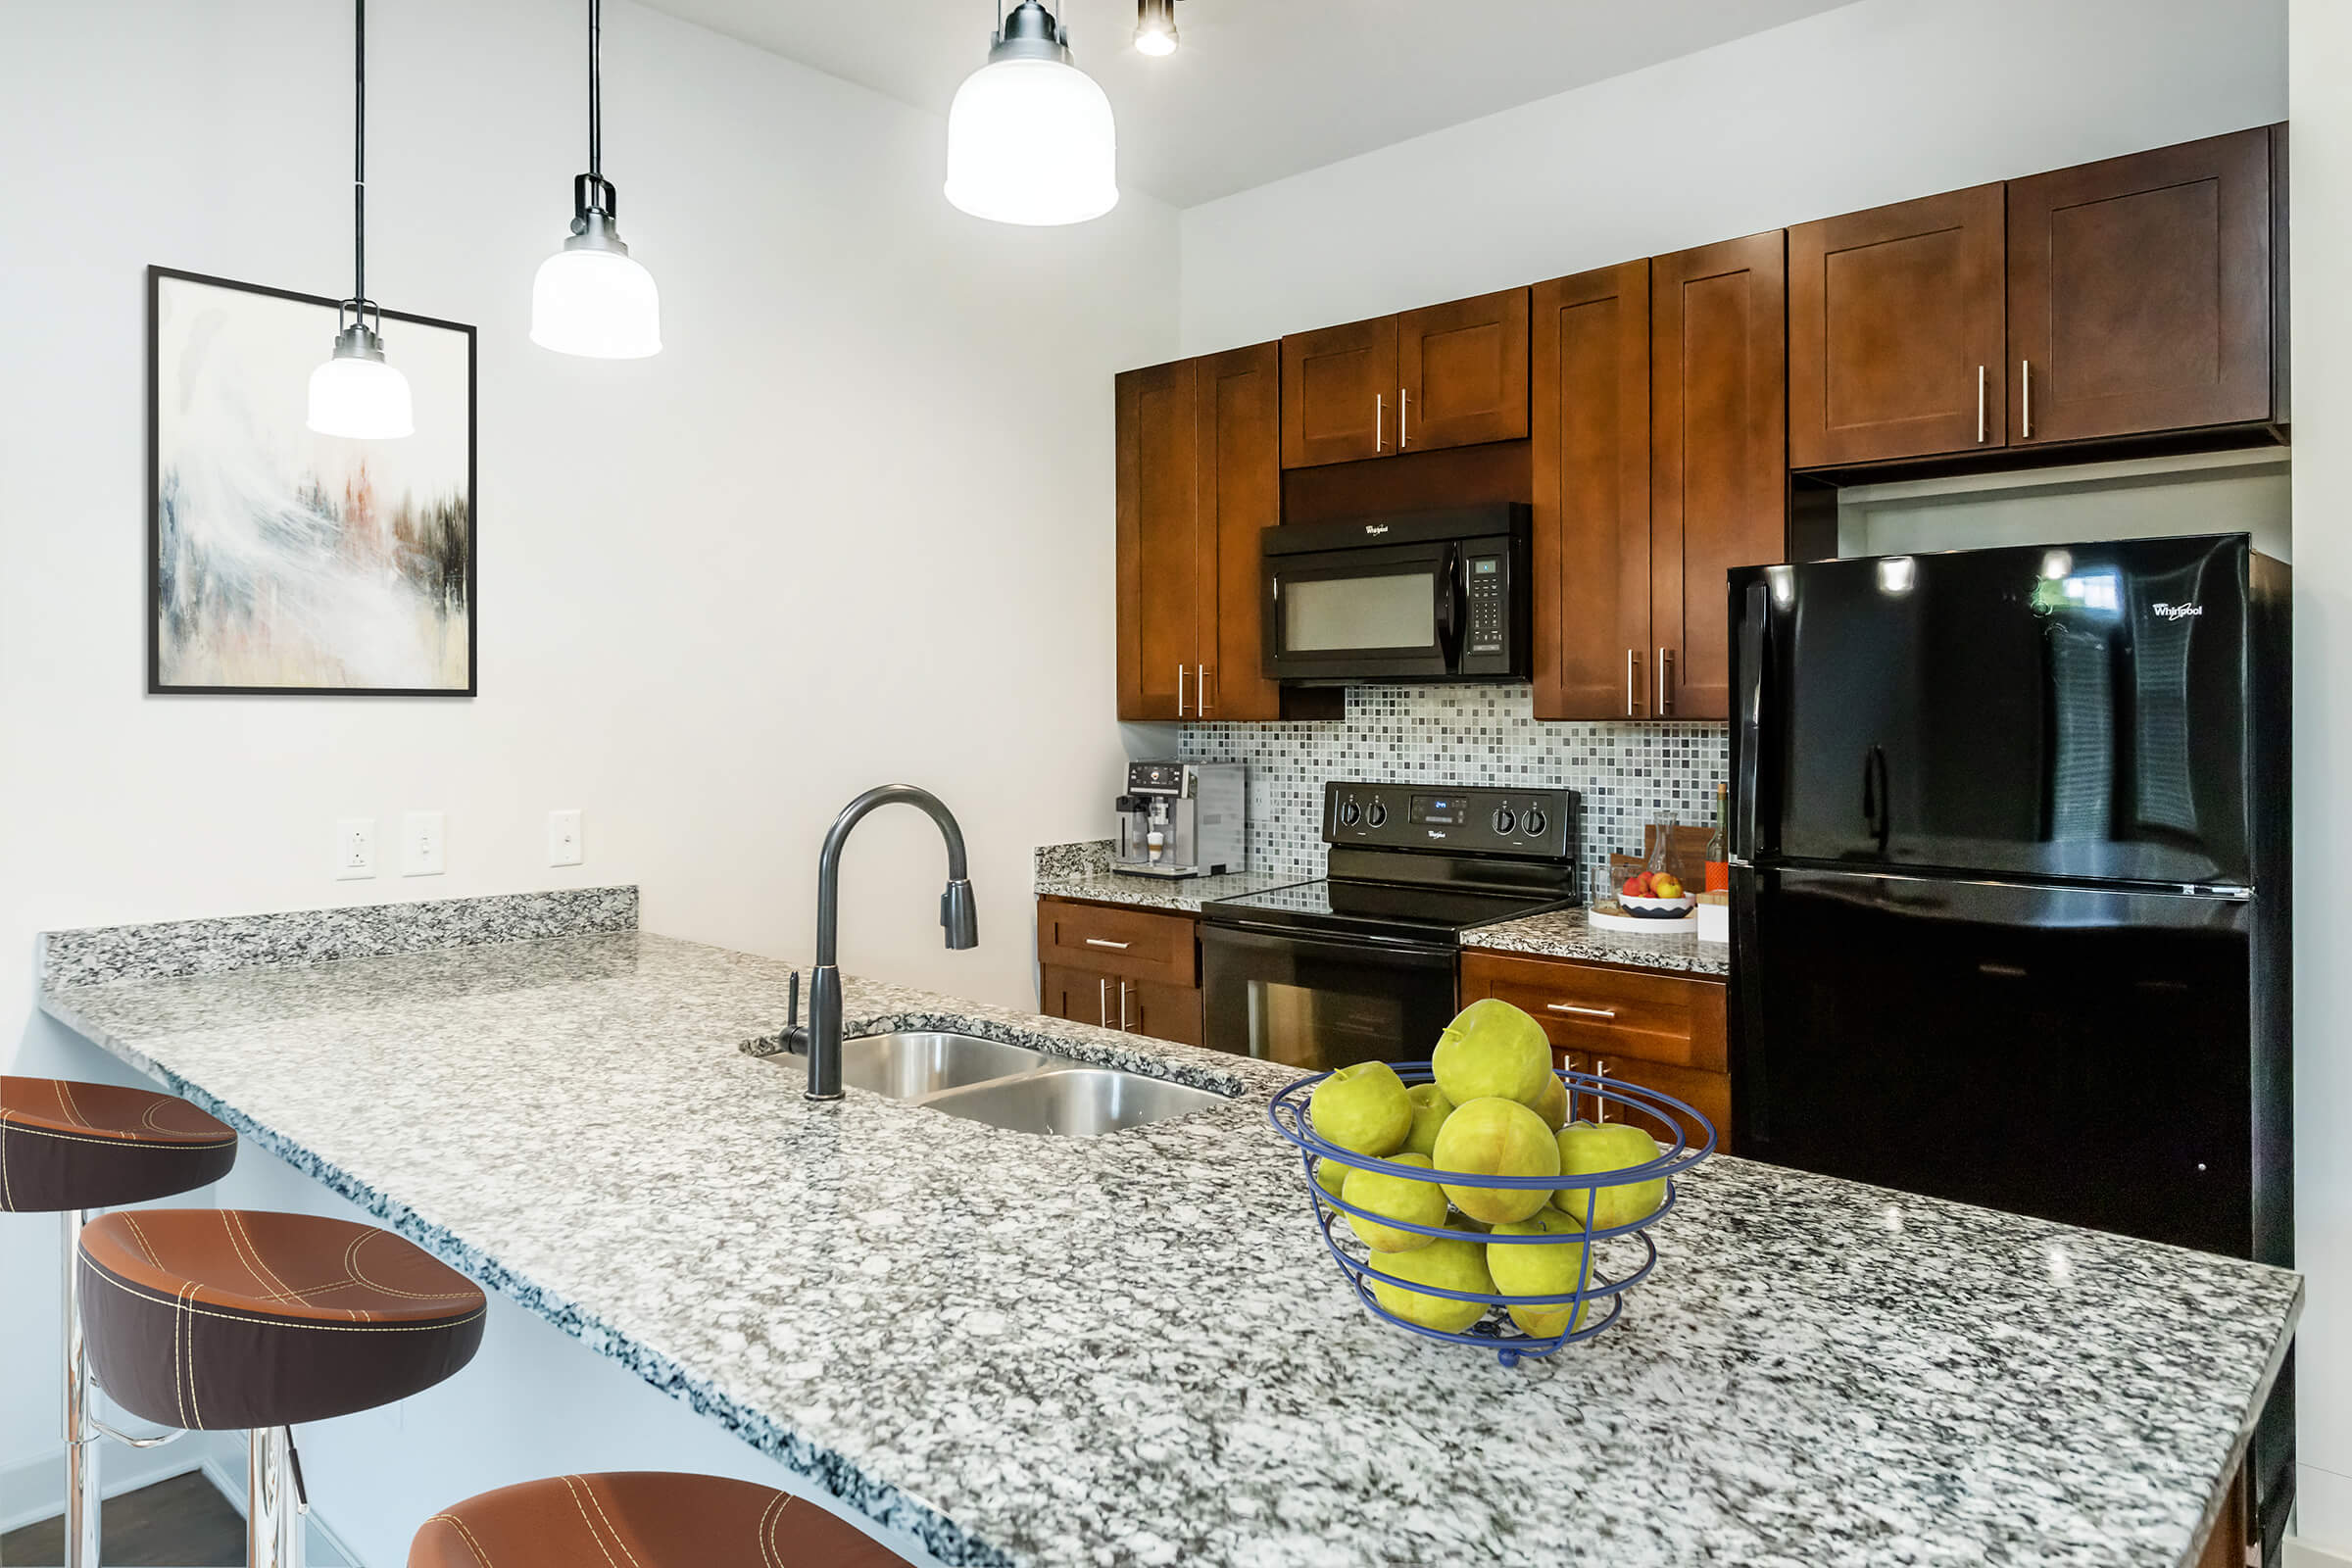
x: 2079, y: 1055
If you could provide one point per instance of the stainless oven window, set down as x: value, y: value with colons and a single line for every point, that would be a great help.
x: 1318, y: 1029
x: 1324, y: 614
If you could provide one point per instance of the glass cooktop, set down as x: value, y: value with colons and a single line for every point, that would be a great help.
x: 1378, y: 908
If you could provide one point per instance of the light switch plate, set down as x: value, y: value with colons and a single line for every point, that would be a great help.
x: 420, y: 843
x: 564, y: 838
x: 355, y: 848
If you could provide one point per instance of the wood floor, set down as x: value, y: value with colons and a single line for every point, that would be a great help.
x: 181, y: 1523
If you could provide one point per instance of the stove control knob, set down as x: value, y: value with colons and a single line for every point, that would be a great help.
x: 1531, y: 823
x: 1504, y: 821
x: 1347, y: 814
x: 1375, y: 815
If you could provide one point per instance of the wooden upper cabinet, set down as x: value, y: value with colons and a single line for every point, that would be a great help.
x: 1166, y: 554
x: 1590, y: 350
x: 1895, y: 331
x: 2140, y: 293
x: 1719, y: 454
x: 1461, y: 372
x: 1338, y: 393
x: 1240, y: 495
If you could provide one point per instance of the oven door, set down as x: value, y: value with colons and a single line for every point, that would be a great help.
x: 1386, y: 613
x: 1318, y: 1002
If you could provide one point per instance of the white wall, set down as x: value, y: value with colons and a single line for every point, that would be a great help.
x: 1876, y: 102
x: 852, y: 525
x: 2319, y: 53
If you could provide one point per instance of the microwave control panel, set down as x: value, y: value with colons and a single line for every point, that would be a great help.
x: 1490, y: 592
x: 1420, y: 816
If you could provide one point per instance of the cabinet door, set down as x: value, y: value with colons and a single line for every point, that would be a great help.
x: 1081, y: 996
x: 1895, y: 331
x: 1240, y: 489
x: 2139, y: 292
x: 1338, y: 393
x: 1162, y: 1011
x: 1461, y: 372
x: 1165, y: 559
x: 1589, y: 348
x: 1719, y: 454
x: 1707, y: 1092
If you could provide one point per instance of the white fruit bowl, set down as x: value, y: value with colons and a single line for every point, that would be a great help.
x: 1658, y: 909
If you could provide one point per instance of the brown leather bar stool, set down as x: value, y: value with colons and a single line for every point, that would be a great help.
x: 650, y: 1518
x: 221, y: 1319
x: 66, y: 1149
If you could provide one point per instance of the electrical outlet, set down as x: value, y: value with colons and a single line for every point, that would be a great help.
x: 355, y: 848
x: 564, y: 838
x: 420, y: 843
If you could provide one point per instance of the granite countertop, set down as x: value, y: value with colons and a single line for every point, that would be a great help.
x: 1130, y: 1349
x: 1083, y: 871
x: 1568, y: 934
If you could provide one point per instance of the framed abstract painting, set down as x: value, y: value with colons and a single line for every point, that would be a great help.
x: 282, y: 561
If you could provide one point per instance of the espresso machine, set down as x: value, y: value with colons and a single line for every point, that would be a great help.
x: 1182, y: 819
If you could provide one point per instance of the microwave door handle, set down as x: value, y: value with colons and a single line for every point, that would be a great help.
x: 1447, y: 582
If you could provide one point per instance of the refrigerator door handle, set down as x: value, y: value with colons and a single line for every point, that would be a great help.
x: 1755, y: 651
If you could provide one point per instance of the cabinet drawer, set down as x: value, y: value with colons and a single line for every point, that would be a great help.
x: 1661, y: 1019
x: 1114, y: 1001
x: 1140, y: 943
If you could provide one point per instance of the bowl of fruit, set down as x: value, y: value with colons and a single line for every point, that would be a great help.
x: 1484, y: 1196
x: 1656, y: 895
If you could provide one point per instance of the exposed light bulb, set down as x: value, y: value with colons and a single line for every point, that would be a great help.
x: 1155, y: 27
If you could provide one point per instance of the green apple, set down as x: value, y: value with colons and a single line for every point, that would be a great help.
x: 1492, y: 1050
x: 1363, y: 1108
x: 1556, y: 1268
x: 1586, y: 1150
x: 1398, y: 1198
x: 1553, y: 1104
x: 1431, y: 1107
x: 1331, y: 1176
x: 1495, y: 1137
x: 1450, y: 1265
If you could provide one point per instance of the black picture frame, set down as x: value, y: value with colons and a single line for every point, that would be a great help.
x: 156, y: 685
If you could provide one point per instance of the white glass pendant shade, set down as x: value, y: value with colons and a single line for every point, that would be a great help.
x: 1031, y: 141
x: 361, y: 397
x: 598, y: 303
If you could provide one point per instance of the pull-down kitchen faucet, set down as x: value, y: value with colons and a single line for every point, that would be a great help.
x: 821, y: 1037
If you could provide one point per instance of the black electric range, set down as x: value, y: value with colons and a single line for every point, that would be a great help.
x: 1359, y: 965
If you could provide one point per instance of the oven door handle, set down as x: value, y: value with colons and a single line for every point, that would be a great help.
x: 1389, y: 950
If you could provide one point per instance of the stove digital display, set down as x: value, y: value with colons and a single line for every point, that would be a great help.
x: 1443, y: 809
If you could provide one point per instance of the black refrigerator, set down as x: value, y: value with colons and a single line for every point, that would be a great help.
x: 2010, y: 913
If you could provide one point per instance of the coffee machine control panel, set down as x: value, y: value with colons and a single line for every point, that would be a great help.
x: 1157, y: 778
x: 1431, y: 816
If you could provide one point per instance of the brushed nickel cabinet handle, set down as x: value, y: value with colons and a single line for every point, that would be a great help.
x: 1633, y: 683
x: 1404, y: 420
x: 1665, y: 681
x: 1600, y: 1107
x: 1103, y: 1003
x: 1106, y: 942
x: 1980, y: 403
x: 2025, y: 384
x: 1123, y: 1025
x: 1581, y: 1012
x: 1379, y: 420
x: 1199, y: 691
x: 1179, y: 691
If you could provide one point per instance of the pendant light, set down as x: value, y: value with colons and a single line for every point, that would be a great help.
x: 355, y: 393
x: 592, y: 298
x: 1030, y: 138
x: 1155, y: 27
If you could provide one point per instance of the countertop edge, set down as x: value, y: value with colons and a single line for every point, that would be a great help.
x: 836, y: 1475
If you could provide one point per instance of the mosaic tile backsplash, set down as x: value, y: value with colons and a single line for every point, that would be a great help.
x: 1627, y: 774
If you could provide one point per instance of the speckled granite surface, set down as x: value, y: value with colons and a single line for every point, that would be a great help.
x: 1089, y: 1353
x: 103, y: 954
x: 1083, y: 871
x: 1567, y: 934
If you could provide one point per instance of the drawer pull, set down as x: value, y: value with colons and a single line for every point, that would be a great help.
x: 1581, y: 1012
x: 1102, y: 942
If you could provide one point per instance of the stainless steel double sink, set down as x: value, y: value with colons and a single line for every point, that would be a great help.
x: 1012, y: 1086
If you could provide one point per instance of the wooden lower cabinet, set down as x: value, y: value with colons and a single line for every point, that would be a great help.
x: 1655, y: 1030
x: 1119, y: 967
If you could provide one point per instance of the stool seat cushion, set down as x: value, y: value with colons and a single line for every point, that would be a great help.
x: 651, y: 1518
x: 66, y: 1145
x: 224, y: 1318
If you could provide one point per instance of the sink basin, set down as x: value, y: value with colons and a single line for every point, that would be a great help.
x: 1073, y: 1101
x: 909, y: 1066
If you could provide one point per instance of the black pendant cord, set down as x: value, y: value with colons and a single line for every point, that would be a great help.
x: 359, y: 160
x: 596, y: 90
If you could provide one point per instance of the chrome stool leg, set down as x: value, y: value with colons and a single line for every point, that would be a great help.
x: 274, y: 1501
x: 82, y: 1438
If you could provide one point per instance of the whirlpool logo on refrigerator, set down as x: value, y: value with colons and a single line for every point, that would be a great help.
x: 2165, y: 611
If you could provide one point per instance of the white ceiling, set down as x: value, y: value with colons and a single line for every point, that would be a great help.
x: 1261, y: 88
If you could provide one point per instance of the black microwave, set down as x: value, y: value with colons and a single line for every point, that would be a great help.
x: 1422, y: 596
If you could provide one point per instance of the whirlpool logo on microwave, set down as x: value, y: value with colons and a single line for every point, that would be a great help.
x: 1376, y: 529
x: 2165, y: 611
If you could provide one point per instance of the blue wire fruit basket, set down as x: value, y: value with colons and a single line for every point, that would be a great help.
x: 1694, y: 1141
